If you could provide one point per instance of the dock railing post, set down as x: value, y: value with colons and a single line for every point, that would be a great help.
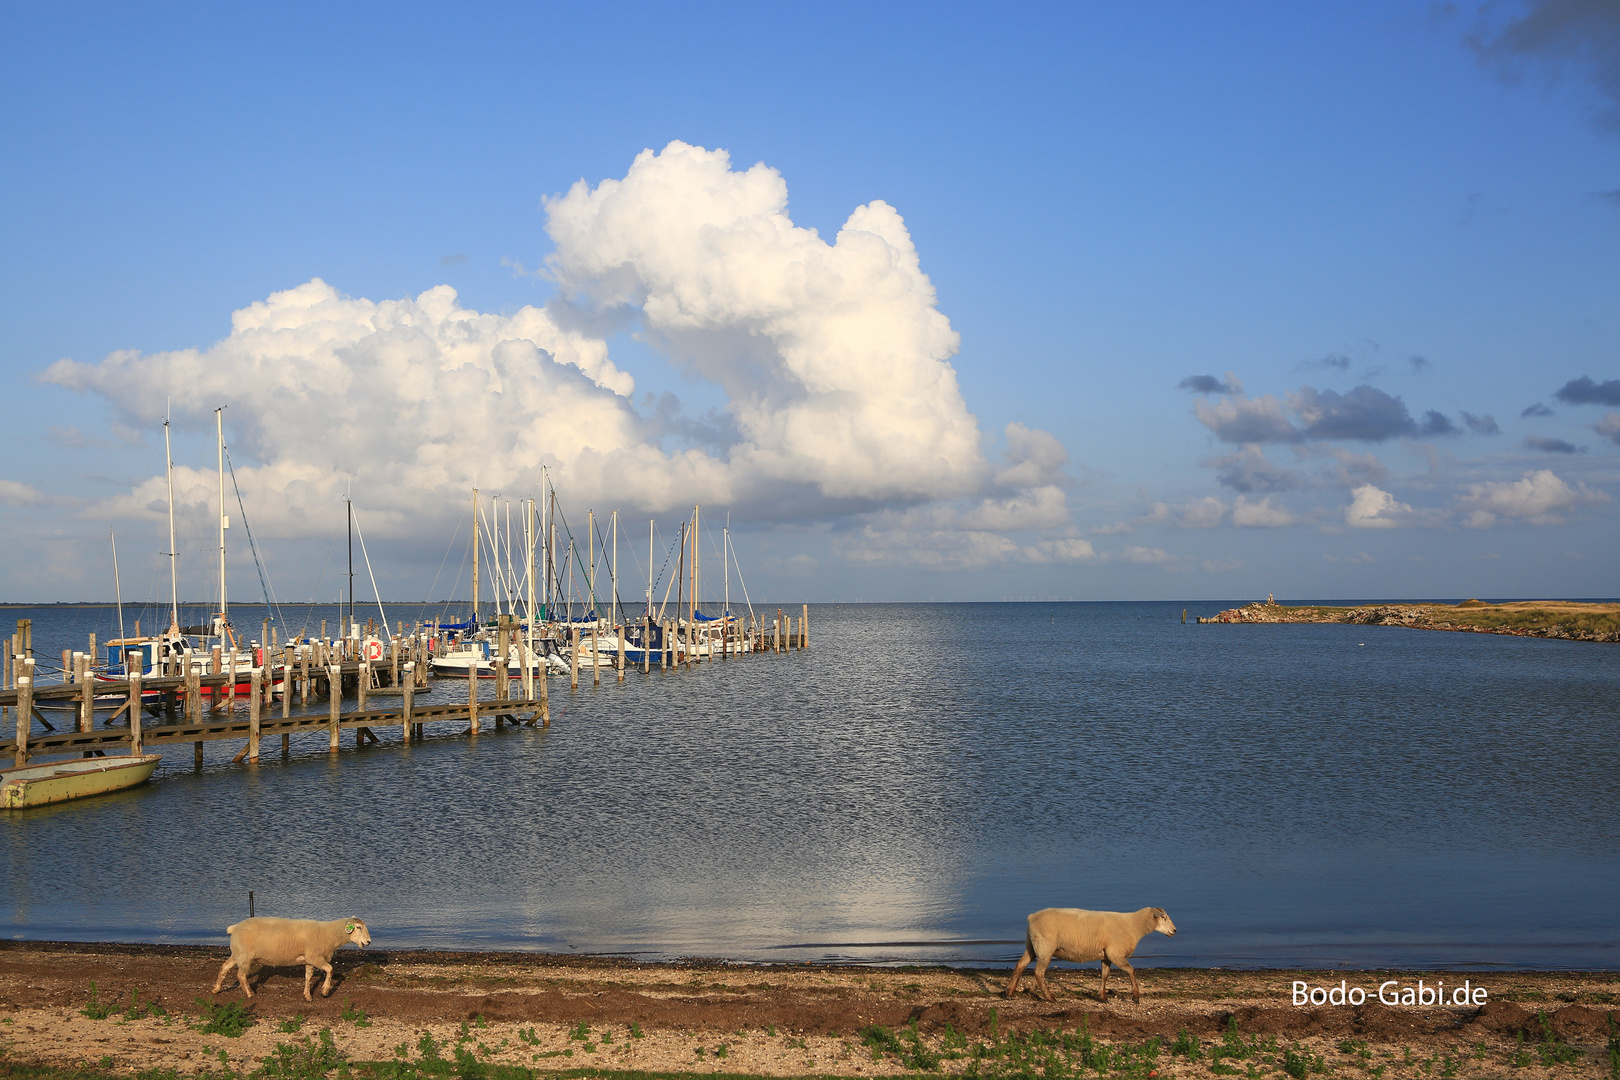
x: 132, y: 664
x: 25, y: 718
x: 362, y: 683
x: 193, y: 694
x: 472, y: 695
x: 409, y: 687
x: 334, y: 694
x: 304, y: 650
x: 255, y: 687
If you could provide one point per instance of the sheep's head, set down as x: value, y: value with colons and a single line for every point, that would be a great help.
x: 357, y: 932
x: 1162, y: 923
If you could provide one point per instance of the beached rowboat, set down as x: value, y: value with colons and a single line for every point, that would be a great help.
x: 57, y: 781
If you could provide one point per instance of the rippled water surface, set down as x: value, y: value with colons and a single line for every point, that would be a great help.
x: 926, y: 773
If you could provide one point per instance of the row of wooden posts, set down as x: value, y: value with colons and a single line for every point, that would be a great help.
x: 407, y: 664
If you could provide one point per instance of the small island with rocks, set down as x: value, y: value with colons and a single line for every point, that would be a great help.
x: 1563, y: 619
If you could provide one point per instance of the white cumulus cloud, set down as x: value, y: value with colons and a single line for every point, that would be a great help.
x: 841, y: 401
x: 1373, y: 508
x: 1261, y: 513
x: 1540, y: 497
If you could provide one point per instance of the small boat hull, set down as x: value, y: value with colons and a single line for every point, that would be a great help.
x: 77, y: 778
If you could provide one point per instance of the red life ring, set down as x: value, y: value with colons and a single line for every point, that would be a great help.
x: 374, y: 650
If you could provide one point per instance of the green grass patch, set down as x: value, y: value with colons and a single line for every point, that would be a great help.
x: 229, y: 1019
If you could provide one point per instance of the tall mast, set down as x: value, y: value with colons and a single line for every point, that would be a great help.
x: 590, y: 539
x: 475, y: 618
x: 695, y: 582
x: 649, y: 564
x: 174, y: 555
x: 224, y: 521
x: 118, y: 586
x: 350, y: 504
x: 613, y: 570
x: 725, y: 563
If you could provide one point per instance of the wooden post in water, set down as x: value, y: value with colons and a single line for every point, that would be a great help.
x: 334, y: 695
x: 193, y: 695
x: 303, y: 673
x: 472, y: 696
x: 804, y: 628
x: 618, y: 635
x: 287, y: 674
x: 503, y: 645
x: 255, y: 699
x: 25, y: 719
x: 409, y: 702
x: 362, y: 684
x: 132, y: 664
x: 646, y: 643
x: 230, y: 678
x: 573, y: 659
x: 545, y: 703
x: 87, y: 694
x: 596, y: 655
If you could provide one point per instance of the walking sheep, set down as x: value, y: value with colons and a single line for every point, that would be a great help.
x: 283, y: 942
x: 1080, y: 936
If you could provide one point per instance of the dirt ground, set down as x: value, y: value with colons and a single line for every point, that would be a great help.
x: 556, y: 1012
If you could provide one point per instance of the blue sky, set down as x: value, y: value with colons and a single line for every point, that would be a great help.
x: 1104, y: 200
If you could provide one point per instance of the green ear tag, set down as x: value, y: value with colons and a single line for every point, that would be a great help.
x: 349, y: 929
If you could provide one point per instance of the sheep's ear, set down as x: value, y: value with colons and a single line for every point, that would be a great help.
x: 349, y: 929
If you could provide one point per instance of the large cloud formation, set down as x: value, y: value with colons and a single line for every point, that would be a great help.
x: 834, y: 359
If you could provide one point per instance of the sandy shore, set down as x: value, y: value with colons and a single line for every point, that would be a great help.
x: 557, y: 1012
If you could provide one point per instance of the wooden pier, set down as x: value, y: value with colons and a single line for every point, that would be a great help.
x: 235, y: 712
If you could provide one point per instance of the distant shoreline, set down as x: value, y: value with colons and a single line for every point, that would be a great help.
x: 1564, y: 620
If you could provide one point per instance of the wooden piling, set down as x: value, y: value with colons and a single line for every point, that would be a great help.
x: 25, y: 718
x: 545, y: 703
x: 472, y: 697
x: 255, y: 699
x: 804, y: 627
x: 132, y: 664
x: 87, y: 693
x: 503, y: 644
x: 596, y: 656
x: 303, y: 673
x: 362, y: 684
x: 193, y: 695
x: 573, y: 660
x: 646, y: 643
x: 287, y: 669
x: 334, y: 693
x: 409, y: 688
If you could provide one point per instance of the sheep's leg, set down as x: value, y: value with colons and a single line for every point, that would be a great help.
x: 225, y: 970
x: 309, y: 976
x: 1136, y: 989
x: 1018, y: 972
x: 326, y: 990
x: 1041, y: 964
x: 1102, y: 995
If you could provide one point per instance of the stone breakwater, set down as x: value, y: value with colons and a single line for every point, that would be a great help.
x: 1464, y: 618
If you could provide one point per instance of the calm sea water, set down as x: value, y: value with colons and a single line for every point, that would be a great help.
x: 924, y: 776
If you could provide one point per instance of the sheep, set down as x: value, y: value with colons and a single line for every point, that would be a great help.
x: 283, y: 942
x: 1079, y: 936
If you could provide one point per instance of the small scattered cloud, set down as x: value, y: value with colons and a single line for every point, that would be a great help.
x: 1373, y: 508
x: 1249, y: 470
x: 453, y: 260
x: 1482, y: 425
x: 16, y: 493
x: 1358, y: 559
x: 1365, y: 414
x: 1205, y: 513
x: 1154, y: 556
x: 1551, y: 446
x: 1609, y: 427
x: 1261, y: 514
x: 1419, y: 363
x: 1332, y: 362
x: 1221, y: 566
x: 1437, y: 424
x: 1583, y: 391
x: 1608, y: 196
x: 1538, y: 409
x: 1209, y: 384
x: 1540, y: 498
x: 1355, y: 469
